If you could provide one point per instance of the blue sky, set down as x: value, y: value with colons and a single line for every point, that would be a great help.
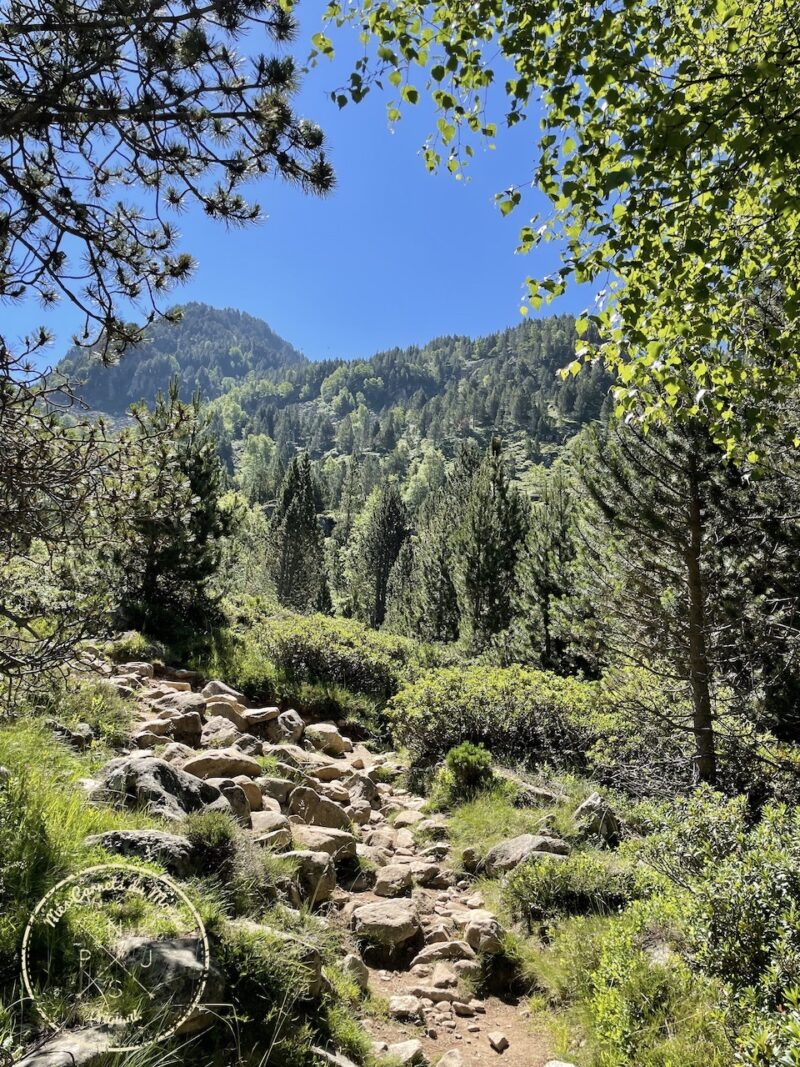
x: 395, y: 256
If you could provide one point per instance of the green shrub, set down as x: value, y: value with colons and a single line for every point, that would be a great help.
x: 467, y: 771
x: 262, y: 651
x: 132, y: 646
x: 584, y: 882
x: 519, y: 715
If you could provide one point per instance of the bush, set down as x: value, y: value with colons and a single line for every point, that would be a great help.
x: 583, y: 883
x: 214, y: 836
x: 263, y: 651
x: 95, y: 702
x: 519, y: 715
x: 467, y: 771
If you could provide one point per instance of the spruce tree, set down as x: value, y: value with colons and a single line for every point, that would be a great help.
x: 295, y: 550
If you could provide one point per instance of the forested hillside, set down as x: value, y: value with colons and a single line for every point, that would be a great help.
x: 209, y: 350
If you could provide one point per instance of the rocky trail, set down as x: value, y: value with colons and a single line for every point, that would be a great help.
x: 369, y: 860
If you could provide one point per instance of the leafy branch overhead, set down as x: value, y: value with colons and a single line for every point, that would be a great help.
x: 668, y: 150
x: 103, y: 99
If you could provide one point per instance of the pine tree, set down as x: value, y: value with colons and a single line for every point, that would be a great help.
x: 295, y: 550
x: 381, y: 531
x: 173, y: 542
x: 487, y: 546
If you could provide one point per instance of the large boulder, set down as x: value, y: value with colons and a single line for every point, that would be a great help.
x: 227, y: 708
x: 219, y: 732
x: 172, y: 851
x: 216, y: 688
x: 156, y: 786
x: 326, y: 738
x: 337, y: 843
x: 287, y: 728
x: 222, y: 763
x: 317, y: 810
x: 182, y: 702
x: 596, y: 819
x: 444, y: 950
x: 257, y: 720
x: 315, y: 875
x: 510, y: 853
x: 483, y: 932
x: 276, y: 788
x: 386, y: 922
x: 394, y: 880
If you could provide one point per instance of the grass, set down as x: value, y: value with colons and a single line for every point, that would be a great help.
x: 491, y: 816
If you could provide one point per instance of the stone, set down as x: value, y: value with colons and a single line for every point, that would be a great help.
x: 266, y: 822
x: 464, y: 1011
x: 515, y: 850
x: 277, y: 788
x: 469, y: 969
x: 176, y: 753
x: 386, y: 922
x: 360, y: 812
x: 172, y: 851
x: 317, y: 810
x: 470, y: 859
x: 558, y: 1063
x: 498, y: 1040
x: 156, y: 786
x: 334, y: 1059
x: 451, y: 1058
x: 394, y: 880
x: 355, y: 969
x: 328, y: 772
x: 361, y: 785
x: 483, y: 932
x: 181, y: 702
x: 276, y: 840
x: 251, y: 791
x: 315, y: 874
x: 235, y: 796
x: 251, y: 746
x: 337, y: 843
x: 222, y: 763
x: 405, y: 1007
x: 444, y: 950
x: 227, y: 708
x: 595, y: 818
x: 408, y: 818
x: 219, y: 732
x: 216, y: 688
x: 326, y: 738
x: 430, y: 875
x: 137, y: 667
x: 407, y: 1054
x: 73, y: 1048
x: 287, y: 727
x: 256, y: 720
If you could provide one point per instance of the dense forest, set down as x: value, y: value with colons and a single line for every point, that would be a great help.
x: 427, y: 709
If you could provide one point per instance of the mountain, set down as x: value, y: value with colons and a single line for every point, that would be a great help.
x: 210, y: 349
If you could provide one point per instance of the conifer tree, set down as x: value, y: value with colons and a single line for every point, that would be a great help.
x: 173, y: 541
x: 295, y: 551
x: 380, y: 534
x: 487, y: 546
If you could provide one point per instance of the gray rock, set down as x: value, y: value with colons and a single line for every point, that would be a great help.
x: 498, y: 1041
x: 222, y: 763
x: 287, y: 728
x: 316, y: 875
x: 216, y: 688
x: 510, y: 853
x: 337, y: 843
x: 595, y: 818
x: 277, y: 788
x: 386, y: 922
x: 317, y: 810
x: 172, y: 851
x: 335, y: 1059
x: 74, y: 1048
x: 156, y: 786
x: 219, y: 732
x: 251, y: 746
x: 407, y: 1054
x: 443, y: 950
x: 394, y: 880
x: 235, y: 796
x: 355, y: 968
x: 405, y: 1007
x: 326, y: 738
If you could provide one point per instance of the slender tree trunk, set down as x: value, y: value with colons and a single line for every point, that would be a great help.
x: 699, y: 670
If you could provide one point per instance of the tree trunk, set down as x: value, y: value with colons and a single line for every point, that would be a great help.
x: 699, y: 671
